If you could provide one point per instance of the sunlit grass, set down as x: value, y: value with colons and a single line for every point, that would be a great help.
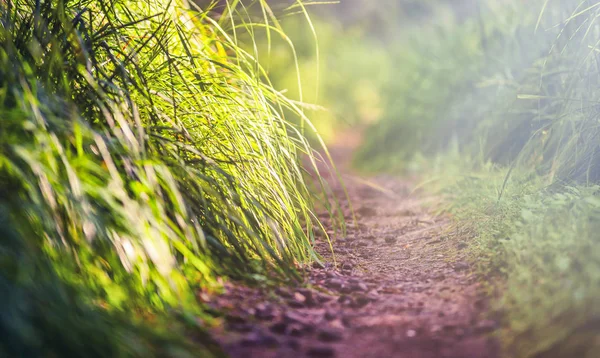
x: 142, y: 156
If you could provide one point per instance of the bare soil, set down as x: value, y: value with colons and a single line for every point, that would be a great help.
x: 400, y: 286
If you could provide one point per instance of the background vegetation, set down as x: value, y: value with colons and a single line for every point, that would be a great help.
x: 497, y: 111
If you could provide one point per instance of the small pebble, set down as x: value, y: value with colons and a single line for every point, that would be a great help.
x: 361, y: 286
x: 486, y: 326
x: 366, y: 211
x: 234, y: 319
x: 335, y: 283
x: 322, y: 298
x: 321, y: 352
x: 292, y: 317
x: 360, y: 301
x: 296, y: 330
x: 295, y: 304
x: 390, y: 240
x: 461, y: 266
x: 330, y: 315
x: 347, y: 266
x: 259, y: 339
x: 283, y: 292
x: 279, y: 328
x: 240, y: 327
x: 264, y: 311
x: 345, y: 300
x: 310, y: 297
x: 293, y: 344
x: 299, y: 297
x: 329, y: 335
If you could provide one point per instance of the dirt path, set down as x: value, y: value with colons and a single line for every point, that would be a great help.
x: 401, y: 288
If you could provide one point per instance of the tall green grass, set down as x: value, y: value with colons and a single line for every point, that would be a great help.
x: 142, y: 156
x: 504, y: 105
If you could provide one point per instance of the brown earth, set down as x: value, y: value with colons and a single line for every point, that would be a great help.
x: 400, y: 287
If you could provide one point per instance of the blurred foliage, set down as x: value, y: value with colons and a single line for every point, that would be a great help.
x: 350, y: 55
x: 327, y: 65
x: 523, y: 81
x: 503, y: 104
x: 536, y: 247
x: 141, y: 157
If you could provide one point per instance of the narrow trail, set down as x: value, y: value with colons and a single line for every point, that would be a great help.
x: 401, y: 287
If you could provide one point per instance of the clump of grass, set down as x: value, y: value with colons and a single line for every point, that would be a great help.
x: 141, y: 156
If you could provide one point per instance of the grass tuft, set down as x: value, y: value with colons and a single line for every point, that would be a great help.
x: 142, y: 156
